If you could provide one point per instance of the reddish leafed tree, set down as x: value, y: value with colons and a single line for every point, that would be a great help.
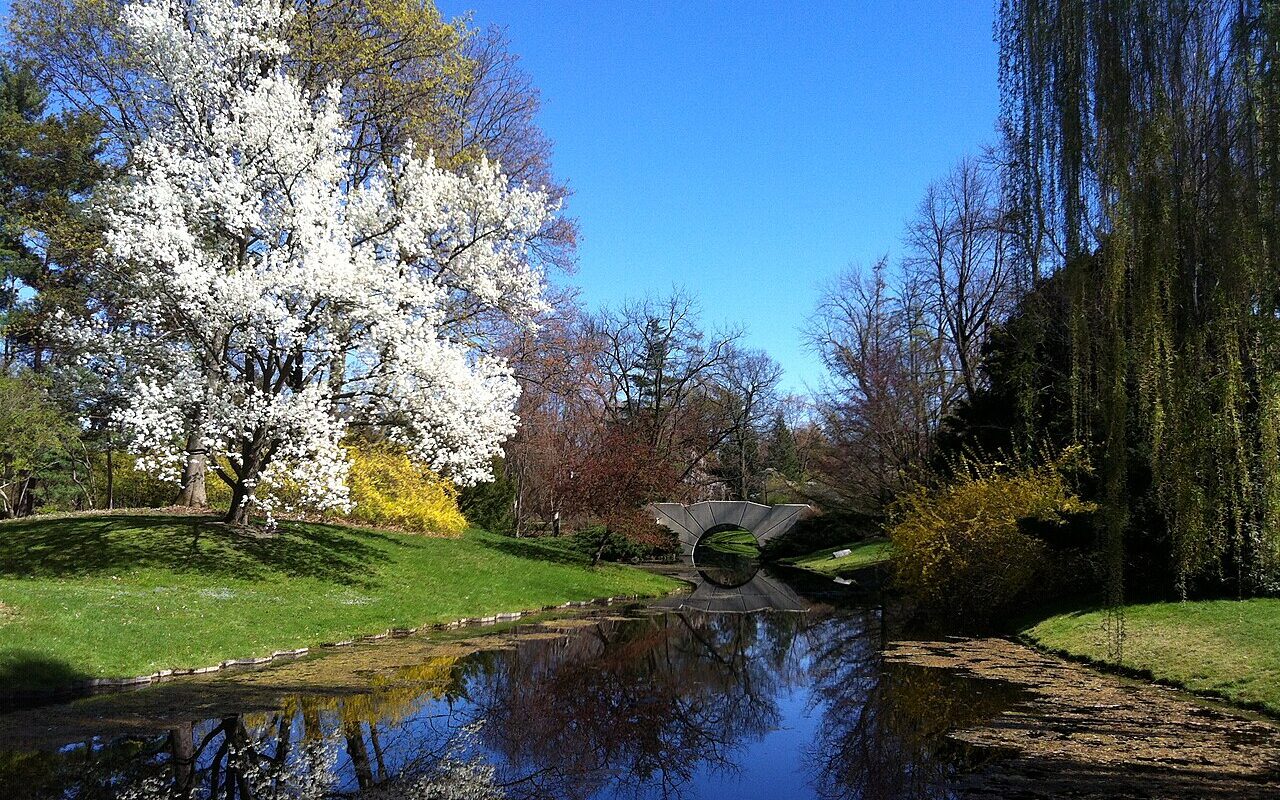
x: 624, y: 407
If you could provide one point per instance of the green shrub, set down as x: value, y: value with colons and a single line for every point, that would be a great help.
x: 217, y: 492
x: 961, y: 552
x: 131, y: 488
x: 42, y: 460
x: 491, y: 505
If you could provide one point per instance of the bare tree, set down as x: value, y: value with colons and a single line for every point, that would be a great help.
x: 634, y: 403
x: 903, y: 347
x: 888, y: 386
x: 559, y: 409
x: 748, y: 390
x: 659, y: 373
x: 959, y: 257
x: 494, y: 113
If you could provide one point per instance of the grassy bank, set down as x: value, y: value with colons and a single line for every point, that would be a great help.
x: 863, y: 554
x: 734, y: 542
x: 117, y: 596
x: 1225, y: 648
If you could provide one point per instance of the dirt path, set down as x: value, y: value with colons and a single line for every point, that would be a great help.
x: 1084, y: 734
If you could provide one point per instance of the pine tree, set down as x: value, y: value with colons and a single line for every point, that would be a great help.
x: 782, y: 455
x: 48, y: 167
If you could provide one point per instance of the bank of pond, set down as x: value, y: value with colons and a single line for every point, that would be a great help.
x: 129, y: 595
x: 1224, y: 649
x: 1228, y: 649
x: 791, y: 681
x: 809, y: 691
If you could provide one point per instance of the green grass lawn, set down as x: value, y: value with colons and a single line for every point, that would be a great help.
x: 865, y: 554
x: 1225, y: 648
x: 118, y: 596
x: 734, y: 542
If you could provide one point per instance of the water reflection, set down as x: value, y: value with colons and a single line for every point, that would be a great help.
x: 714, y: 591
x: 672, y: 703
x: 884, y: 726
x: 727, y: 569
x: 731, y: 582
x: 636, y: 704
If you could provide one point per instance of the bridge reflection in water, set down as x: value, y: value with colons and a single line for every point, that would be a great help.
x: 712, y: 593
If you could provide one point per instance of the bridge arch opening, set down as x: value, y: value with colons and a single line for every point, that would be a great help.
x: 728, y: 538
x: 727, y: 555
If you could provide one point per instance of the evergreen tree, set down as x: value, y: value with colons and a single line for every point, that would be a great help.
x: 782, y: 455
x: 48, y: 167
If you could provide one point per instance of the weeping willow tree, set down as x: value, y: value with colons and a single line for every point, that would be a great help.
x: 1144, y: 144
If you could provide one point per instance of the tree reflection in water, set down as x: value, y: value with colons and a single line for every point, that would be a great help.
x: 237, y: 757
x: 649, y: 706
x: 637, y: 705
x: 884, y: 725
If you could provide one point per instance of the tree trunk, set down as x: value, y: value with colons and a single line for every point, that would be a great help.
x: 254, y: 458
x: 183, y: 759
x: 26, y: 503
x: 241, y: 510
x: 193, y: 475
x: 111, y: 478
x: 239, y: 513
x: 517, y: 504
x: 359, y: 754
x: 377, y: 753
x: 604, y: 541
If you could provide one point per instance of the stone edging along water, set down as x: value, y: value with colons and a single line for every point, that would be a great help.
x: 96, y: 684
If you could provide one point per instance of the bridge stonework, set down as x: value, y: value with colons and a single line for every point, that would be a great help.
x: 692, y: 522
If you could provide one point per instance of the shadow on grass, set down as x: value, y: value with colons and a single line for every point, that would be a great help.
x: 1020, y: 620
x: 27, y: 672
x: 105, y: 545
x: 534, y: 550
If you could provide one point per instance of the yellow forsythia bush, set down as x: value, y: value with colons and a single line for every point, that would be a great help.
x: 391, y: 491
x: 959, y: 552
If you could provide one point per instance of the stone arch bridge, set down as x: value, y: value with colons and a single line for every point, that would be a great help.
x: 692, y: 522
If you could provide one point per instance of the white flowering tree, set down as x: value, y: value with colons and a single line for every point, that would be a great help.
x: 278, y: 300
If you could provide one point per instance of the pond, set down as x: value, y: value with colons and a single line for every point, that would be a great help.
x: 750, y: 686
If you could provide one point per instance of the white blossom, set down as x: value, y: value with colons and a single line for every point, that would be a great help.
x: 279, y: 300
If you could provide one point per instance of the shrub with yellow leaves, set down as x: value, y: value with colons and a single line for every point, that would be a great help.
x: 960, y: 551
x: 391, y: 491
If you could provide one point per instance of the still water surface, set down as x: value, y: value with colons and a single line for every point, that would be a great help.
x: 750, y: 687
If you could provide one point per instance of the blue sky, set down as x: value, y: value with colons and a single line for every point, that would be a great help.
x: 749, y: 151
x: 746, y: 150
